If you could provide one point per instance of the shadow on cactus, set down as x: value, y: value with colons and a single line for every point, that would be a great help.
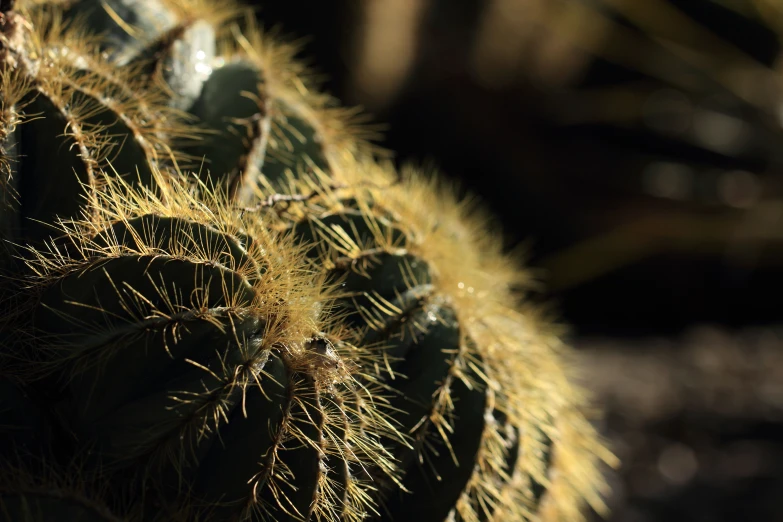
x: 293, y: 333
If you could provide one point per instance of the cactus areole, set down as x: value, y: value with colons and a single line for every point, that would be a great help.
x: 220, y: 303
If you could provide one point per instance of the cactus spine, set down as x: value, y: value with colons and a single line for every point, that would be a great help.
x: 290, y: 332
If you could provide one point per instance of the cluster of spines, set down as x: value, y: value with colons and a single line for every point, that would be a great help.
x: 62, y: 65
x: 61, y: 96
x: 293, y: 157
x: 325, y: 407
x: 534, y: 438
x: 255, y: 105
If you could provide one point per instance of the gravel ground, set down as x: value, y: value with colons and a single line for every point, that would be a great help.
x: 697, y: 422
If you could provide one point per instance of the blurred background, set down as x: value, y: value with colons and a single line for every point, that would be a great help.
x: 634, y: 148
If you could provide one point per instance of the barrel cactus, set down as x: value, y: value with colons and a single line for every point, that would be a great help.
x: 219, y: 303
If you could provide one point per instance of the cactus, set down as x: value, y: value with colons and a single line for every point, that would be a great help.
x: 223, y: 303
x: 420, y: 277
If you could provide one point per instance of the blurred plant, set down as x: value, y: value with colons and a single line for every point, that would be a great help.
x: 681, y: 101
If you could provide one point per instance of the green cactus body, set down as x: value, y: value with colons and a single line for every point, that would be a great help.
x: 289, y: 333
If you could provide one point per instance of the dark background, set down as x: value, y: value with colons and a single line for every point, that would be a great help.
x: 634, y: 149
